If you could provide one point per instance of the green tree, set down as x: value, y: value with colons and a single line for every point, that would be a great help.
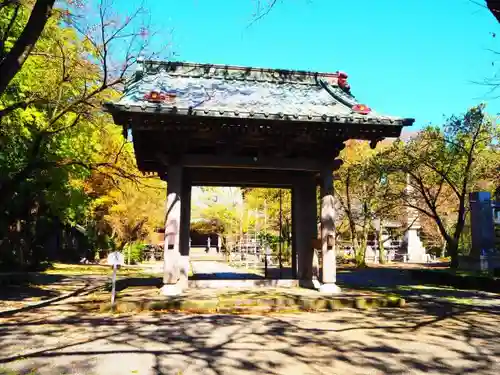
x: 217, y: 210
x: 364, y: 193
x: 275, y: 212
x: 133, y: 211
x: 442, y: 166
x: 52, y: 128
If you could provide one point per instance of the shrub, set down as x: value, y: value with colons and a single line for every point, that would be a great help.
x: 136, y: 253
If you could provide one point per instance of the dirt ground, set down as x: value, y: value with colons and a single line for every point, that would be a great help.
x: 423, y: 338
x: 427, y: 336
x: 40, y: 288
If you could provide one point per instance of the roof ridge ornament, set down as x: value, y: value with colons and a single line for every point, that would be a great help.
x: 362, y: 109
x: 342, y: 82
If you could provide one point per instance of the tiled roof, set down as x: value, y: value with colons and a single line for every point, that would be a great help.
x: 229, y: 91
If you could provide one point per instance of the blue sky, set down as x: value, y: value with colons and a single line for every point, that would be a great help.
x: 412, y: 58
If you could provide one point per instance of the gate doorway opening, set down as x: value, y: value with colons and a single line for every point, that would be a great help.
x: 241, y: 233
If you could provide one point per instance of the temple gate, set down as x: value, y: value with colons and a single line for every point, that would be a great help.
x: 214, y: 125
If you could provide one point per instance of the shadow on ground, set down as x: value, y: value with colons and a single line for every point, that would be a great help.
x: 399, y: 281
x: 417, y: 339
x: 25, y: 286
x: 226, y: 276
x: 32, y: 290
x: 23, y: 292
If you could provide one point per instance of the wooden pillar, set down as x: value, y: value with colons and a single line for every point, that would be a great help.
x: 329, y: 266
x: 171, y: 254
x: 184, y: 245
x: 294, y: 232
x: 304, y: 211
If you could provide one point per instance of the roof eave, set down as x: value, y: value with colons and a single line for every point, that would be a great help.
x: 213, y: 113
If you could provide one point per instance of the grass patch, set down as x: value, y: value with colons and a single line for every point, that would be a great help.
x: 460, y: 301
x: 424, y: 288
x: 236, y: 302
x: 94, y: 269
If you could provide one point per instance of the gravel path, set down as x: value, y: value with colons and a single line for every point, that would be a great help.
x: 212, y: 267
x: 61, y: 339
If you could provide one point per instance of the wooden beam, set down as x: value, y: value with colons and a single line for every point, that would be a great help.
x: 239, y: 162
x: 243, y: 177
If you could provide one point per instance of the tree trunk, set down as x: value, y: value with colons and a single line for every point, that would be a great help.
x: 380, y: 243
x: 361, y: 250
x: 452, y: 249
x: 494, y: 7
x: 225, y: 248
x: 360, y: 255
x: 20, y: 244
x: 455, y: 241
x: 15, y: 58
x: 354, y: 238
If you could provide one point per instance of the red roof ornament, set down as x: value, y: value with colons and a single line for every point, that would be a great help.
x: 342, y: 82
x: 342, y: 74
x: 361, y: 109
x: 158, y: 97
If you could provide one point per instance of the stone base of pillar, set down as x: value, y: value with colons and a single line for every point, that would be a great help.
x: 330, y: 288
x: 309, y: 284
x: 183, y: 283
x: 183, y: 267
x: 315, y: 266
x: 171, y: 290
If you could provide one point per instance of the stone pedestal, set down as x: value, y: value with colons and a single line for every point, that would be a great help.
x: 482, y: 224
x: 415, y: 249
x: 482, y: 263
x: 329, y: 266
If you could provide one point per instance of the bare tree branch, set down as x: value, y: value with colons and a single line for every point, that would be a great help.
x: 261, y: 14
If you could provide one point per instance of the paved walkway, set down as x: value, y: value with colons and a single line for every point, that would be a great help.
x: 206, y: 269
x: 62, y: 339
x: 219, y: 270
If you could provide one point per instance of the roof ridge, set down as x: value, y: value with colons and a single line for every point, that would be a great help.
x: 228, y: 67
